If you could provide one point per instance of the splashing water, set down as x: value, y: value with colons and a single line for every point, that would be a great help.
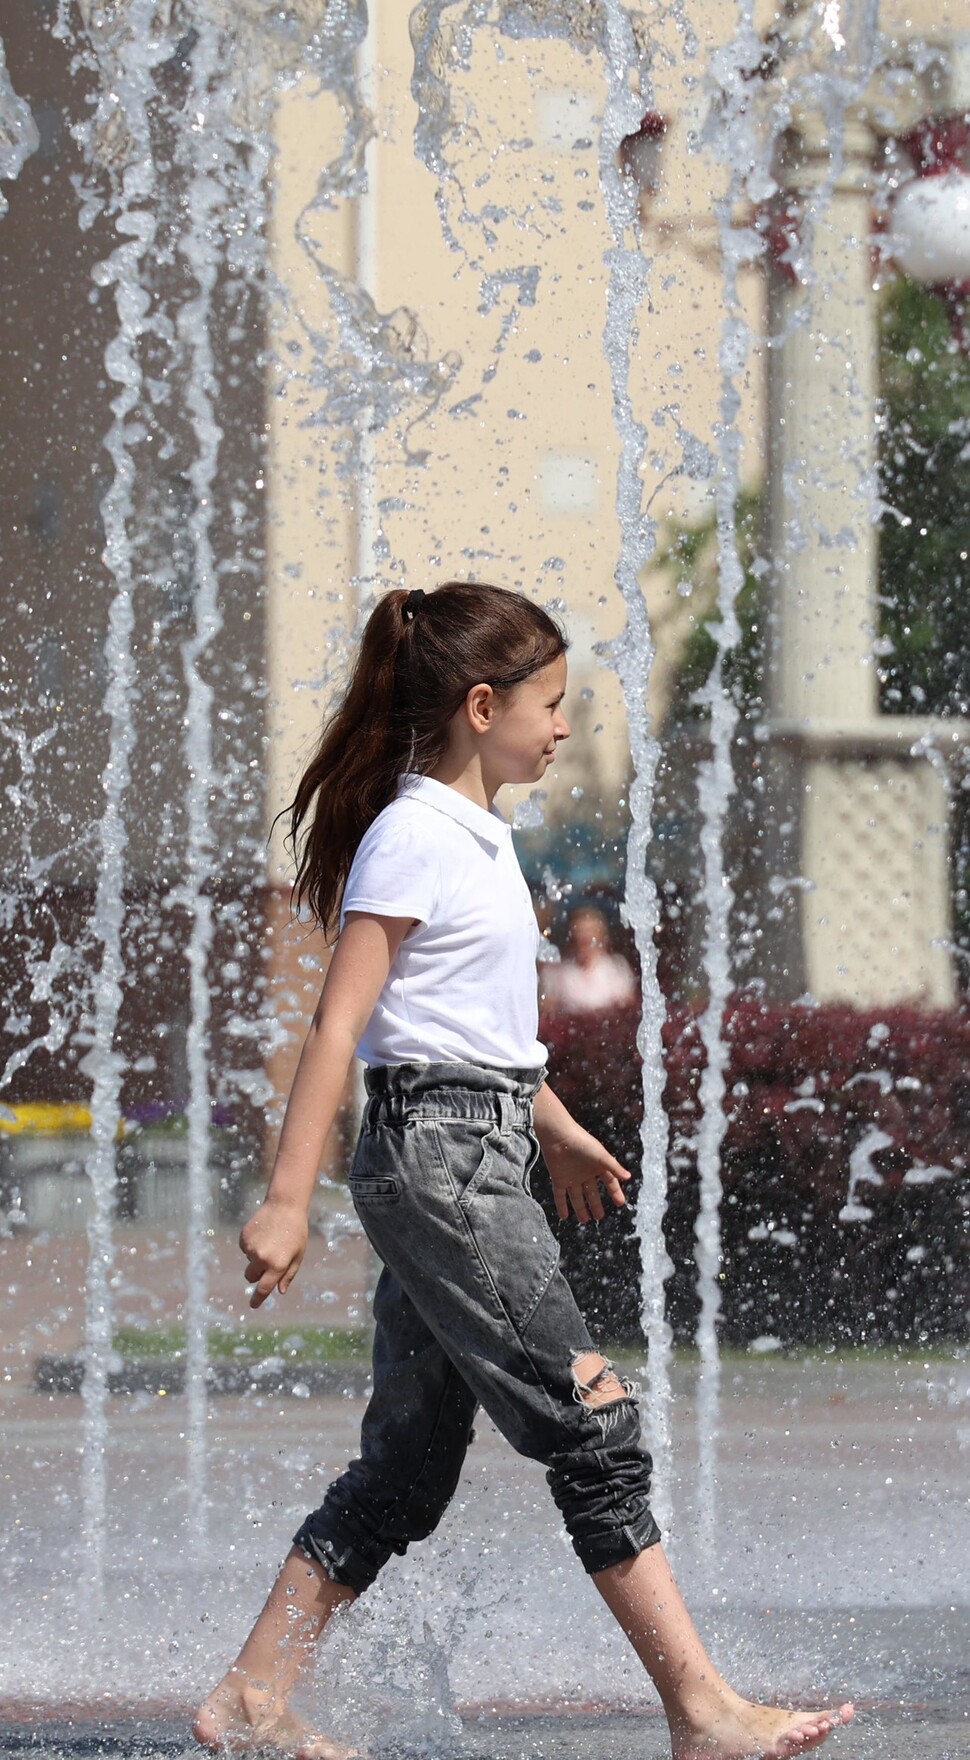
x: 375, y: 371
x: 371, y: 368
x: 744, y: 129
x: 632, y: 656
x: 61, y: 969
x: 203, y: 151
x: 18, y: 130
x: 732, y: 131
x: 220, y: 153
x: 135, y: 222
x: 862, y: 1171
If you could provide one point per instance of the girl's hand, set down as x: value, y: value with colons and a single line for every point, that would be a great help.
x: 578, y: 1164
x: 274, y: 1241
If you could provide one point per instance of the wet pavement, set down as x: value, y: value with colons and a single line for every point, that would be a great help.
x: 924, y: 1732
x: 842, y: 1569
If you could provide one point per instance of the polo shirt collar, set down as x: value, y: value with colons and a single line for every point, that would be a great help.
x: 487, y: 824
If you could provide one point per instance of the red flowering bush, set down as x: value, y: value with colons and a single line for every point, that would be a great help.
x: 846, y: 1210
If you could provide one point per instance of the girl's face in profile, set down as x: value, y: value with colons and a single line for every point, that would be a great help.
x: 528, y: 725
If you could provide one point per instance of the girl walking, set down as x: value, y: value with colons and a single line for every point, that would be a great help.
x: 433, y: 984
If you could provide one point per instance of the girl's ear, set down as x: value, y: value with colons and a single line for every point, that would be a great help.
x: 479, y: 707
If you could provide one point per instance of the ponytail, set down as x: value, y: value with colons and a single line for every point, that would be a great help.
x: 419, y: 656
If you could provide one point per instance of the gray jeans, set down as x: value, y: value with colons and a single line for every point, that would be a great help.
x: 471, y: 1309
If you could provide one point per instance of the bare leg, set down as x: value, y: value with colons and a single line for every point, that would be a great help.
x: 250, y: 1706
x: 708, y: 1720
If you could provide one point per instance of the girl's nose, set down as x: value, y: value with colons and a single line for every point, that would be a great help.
x: 561, y: 730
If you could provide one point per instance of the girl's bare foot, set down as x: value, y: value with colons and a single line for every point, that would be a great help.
x: 731, y: 1728
x: 239, y: 1716
x: 707, y: 1719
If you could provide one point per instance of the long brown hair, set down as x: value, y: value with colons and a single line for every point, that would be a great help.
x: 419, y: 657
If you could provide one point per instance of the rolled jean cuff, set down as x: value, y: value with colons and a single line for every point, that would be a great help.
x: 597, y: 1552
x: 341, y: 1563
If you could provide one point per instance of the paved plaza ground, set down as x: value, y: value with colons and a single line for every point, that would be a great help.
x: 43, y: 1280
x: 841, y: 1566
x: 882, y: 1733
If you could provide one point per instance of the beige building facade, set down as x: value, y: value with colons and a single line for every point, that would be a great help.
x: 419, y: 390
x: 497, y: 456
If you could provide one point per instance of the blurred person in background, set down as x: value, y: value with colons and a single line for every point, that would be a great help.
x: 590, y: 976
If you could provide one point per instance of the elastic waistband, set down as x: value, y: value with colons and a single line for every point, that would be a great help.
x: 400, y: 1092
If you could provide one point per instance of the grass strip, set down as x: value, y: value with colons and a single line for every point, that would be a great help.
x: 310, y: 1344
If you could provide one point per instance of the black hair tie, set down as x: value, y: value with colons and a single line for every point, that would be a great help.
x: 412, y: 604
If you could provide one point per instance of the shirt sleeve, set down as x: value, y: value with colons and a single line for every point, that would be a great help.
x: 395, y: 873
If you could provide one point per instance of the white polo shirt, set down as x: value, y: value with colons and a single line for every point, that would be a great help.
x: 462, y: 988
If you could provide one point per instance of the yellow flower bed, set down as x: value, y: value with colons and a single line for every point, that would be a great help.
x: 41, y: 1119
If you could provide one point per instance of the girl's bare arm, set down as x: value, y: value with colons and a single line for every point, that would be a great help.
x: 274, y: 1239
x: 578, y: 1163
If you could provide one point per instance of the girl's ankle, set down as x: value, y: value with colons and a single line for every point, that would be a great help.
x: 256, y: 1702
x: 691, y: 1712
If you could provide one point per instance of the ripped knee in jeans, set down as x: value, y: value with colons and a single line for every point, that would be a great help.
x: 598, y: 1387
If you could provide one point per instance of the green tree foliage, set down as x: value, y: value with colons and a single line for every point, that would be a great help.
x: 924, y: 469
x: 924, y: 539
x: 692, y: 559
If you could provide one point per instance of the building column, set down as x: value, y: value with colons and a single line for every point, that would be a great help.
x: 872, y: 830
